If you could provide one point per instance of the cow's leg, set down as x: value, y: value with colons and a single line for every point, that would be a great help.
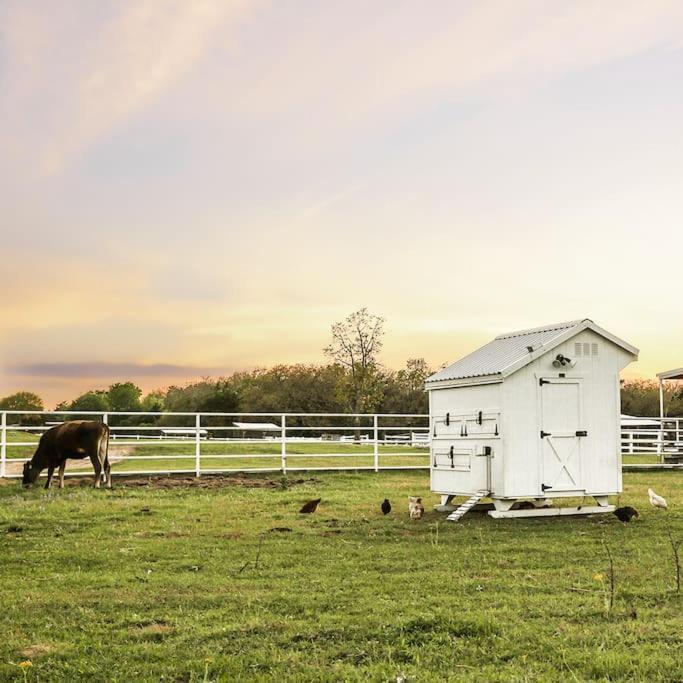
x: 97, y: 466
x: 50, y: 472
x: 107, y: 472
x: 62, y: 467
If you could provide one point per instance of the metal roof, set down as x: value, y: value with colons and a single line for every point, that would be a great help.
x: 509, y: 352
x: 258, y: 426
x: 671, y: 374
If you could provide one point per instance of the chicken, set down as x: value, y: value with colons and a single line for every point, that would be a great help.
x: 386, y: 506
x: 626, y: 514
x: 415, y: 507
x: 311, y: 506
x: 656, y: 501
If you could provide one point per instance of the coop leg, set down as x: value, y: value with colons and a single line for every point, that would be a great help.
x: 503, y: 504
x: 602, y: 501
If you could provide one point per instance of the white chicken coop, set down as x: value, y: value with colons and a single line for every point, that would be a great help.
x: 531, y: 416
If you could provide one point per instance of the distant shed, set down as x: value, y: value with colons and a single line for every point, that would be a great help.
x: 532, y: 415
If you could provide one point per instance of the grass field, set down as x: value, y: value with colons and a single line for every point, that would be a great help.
x: 178, y: 582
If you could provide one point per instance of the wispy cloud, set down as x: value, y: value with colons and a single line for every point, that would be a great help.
x: 89, y: 70
x: 96, y: 369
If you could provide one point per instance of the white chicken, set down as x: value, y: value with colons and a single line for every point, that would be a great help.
x: 656, y: 501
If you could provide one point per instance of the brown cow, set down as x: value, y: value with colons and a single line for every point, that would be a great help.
x: 77, y: 439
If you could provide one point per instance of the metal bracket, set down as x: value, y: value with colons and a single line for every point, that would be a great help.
x: 544, y: 434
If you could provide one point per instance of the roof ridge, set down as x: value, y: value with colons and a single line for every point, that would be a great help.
x: 545, y: 328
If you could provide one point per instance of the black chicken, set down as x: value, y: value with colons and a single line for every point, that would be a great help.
x: 626, y: 514
x: 386, y: 506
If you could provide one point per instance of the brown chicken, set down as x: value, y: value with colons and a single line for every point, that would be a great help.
x: 311, y: 506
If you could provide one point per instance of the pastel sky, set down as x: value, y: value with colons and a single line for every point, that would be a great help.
x: 191, y: 187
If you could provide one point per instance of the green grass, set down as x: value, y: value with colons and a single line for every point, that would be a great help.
x: 151, y: 583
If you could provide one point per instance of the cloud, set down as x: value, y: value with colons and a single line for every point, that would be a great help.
x: 105, y: 369
x: 81, y: 72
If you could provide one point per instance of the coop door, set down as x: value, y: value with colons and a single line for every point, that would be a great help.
x: 561, y: 434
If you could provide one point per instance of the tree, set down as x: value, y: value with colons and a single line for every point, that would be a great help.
x: 404, y: 390
x: 124, y: 397
x: 641, y: 397
x: 356, y: 343
x: 154, y: 402
x: 91, y: 400
x: 22, y: 400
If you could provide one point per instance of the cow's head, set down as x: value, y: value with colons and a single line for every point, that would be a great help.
x: 30, y: 474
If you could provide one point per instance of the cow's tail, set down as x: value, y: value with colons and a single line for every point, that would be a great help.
x: 103, y: 451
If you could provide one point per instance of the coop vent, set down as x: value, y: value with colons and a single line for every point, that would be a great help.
x: 585, y: 349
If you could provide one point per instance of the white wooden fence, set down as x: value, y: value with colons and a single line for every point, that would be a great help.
x: 195, y: 443
x: 143, y: 443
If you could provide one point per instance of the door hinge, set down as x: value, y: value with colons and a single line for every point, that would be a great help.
x: 544, y: 434
x: 542, y: 381
x: 545, y: 487
x: 581, y: 432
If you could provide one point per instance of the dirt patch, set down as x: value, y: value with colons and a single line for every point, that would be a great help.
x: 37, y: 650
x: 211, y: 482
x: 207, y: 481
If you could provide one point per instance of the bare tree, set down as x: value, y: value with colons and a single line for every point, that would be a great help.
x: 356, y: 343
x: 357, y: 340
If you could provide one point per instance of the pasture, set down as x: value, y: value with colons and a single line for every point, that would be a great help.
x: 222, y: 579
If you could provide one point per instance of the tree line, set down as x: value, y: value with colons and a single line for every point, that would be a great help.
x: 352, y: 381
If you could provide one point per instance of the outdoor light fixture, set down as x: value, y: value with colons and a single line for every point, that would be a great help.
x: 561, y: 361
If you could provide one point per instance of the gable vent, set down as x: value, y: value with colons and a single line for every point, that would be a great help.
x: 585, y: 349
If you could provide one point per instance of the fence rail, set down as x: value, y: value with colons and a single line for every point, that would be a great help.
x: 143, y: 443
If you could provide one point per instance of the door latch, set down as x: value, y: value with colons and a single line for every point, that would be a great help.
x: 581, y: 432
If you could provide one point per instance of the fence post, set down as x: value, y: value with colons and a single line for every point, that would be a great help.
x: 3, y: 445
x: 660, y: 441
x: 376, y: 443
x: 283, y: 443
x: 197, y: 445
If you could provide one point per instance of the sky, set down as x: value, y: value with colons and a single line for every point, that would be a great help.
x: 193, y: 187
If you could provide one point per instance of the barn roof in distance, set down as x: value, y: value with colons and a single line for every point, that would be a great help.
x: 509, y: 352
x: 671, y: 374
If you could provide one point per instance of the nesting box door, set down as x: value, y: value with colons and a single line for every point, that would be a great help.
x: 561, y: 435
